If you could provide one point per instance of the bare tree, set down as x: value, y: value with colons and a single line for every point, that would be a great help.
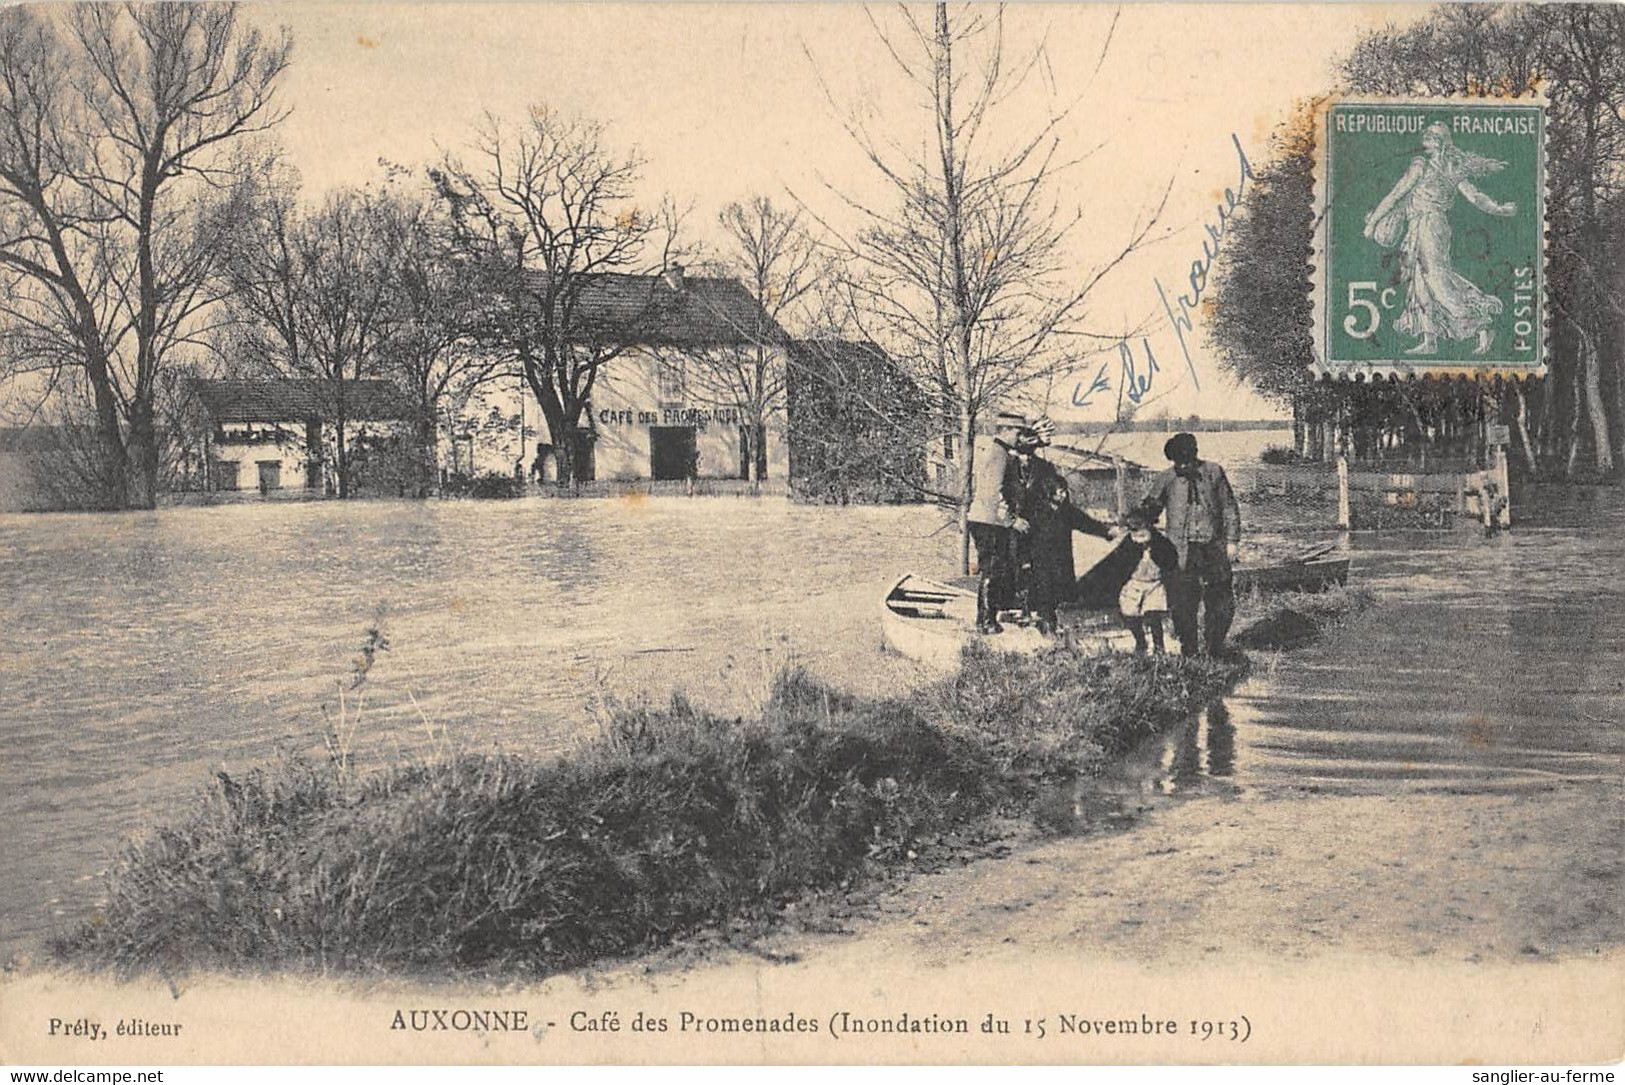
x: 965, y: 277
x: 770, y: 251
x: 546, y: 209
x: 430, y: 353
x: 313, y: 296
x: 122, y: 132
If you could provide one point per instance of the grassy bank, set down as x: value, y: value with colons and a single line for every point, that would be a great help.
x: 669, y: 820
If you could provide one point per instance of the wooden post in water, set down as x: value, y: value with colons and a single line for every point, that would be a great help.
x: 1343, y: 519
x: 1122, y: 485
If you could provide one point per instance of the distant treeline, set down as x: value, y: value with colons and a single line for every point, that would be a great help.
x: 1192, y: 424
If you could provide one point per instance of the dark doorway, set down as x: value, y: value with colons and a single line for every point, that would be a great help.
x: 586, y: 461
x: 671, y: 451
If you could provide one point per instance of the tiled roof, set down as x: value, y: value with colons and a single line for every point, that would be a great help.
x: 850, y: 362
x: 824, y: 354
x: 646, y: 310
x: 296, y: 400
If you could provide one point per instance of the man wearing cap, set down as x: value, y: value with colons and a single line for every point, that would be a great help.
x: 995, y: 502
x: 1204, y: 524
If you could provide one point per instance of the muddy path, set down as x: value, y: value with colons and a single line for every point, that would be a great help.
x: 1442, y: 778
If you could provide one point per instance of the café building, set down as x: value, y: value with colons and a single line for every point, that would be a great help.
x: 691, y: 351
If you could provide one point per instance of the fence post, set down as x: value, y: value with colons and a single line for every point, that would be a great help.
x: 1343, y: 519
x: 1122, y: 485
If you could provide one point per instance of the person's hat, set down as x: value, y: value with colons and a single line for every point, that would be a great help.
x: 1136, y: 518
x: 1028, y: 439
x: 1181, y: 448
x: 1007, y: 420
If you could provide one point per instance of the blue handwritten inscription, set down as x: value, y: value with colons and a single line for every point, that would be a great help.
x: 1137, y: 382
x: 1182, y: 320
x: 1182, y: 308
x: 1080, y: 398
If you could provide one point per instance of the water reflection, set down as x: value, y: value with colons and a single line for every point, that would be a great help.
x: 1491, y: 665
x: 1203, y: 748
x: 1195, y: 758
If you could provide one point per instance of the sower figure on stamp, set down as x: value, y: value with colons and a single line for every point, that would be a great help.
x: 1204, y: 524
x: 995, y: 499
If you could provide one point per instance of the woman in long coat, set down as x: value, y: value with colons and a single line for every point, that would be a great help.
x: 1047, y: 566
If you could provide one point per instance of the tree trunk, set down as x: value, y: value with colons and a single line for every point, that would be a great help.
x: 143, y: 454
x: 343, y: 460
x: 561, y: 433
x: 113, y: 468
x: 1591, y: 367
x: 426, y: 452
x: 1523, y: 431
x: 953, y: 238
x: 1573, y: 458
x: 967, y: 482
x: 760, y: 451
x: 1298, y: 436
x: 1619, y: 396
x: 112, y: 479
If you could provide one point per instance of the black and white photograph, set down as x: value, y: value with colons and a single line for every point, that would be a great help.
x: 632, y: 534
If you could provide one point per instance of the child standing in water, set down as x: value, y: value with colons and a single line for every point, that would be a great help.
x: 1144, y: 598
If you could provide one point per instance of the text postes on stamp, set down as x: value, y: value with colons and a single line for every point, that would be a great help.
x: 1429, y: 254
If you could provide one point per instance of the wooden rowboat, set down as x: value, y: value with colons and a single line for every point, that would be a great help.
x: 1312, y: 575
x: 933, y: 620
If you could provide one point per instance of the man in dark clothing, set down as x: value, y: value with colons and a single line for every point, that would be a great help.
x: 1204, y: 524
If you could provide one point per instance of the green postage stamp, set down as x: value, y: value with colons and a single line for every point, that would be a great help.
x: 1430, y: 238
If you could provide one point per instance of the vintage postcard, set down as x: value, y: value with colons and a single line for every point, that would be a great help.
x: 550, y: 533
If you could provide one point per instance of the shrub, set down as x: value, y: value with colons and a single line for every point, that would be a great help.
x: 671, y: 818
x: 490, y: 485
x: 1280, y: 455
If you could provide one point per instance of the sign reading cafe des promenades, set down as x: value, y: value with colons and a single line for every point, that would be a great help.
x: 1430, y: 218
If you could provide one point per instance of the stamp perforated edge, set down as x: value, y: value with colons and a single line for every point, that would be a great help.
x: 1395, y: 369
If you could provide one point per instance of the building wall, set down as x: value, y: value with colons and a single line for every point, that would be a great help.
x: 630, y: 401
x: 284, y: 446
x: 244, y: 445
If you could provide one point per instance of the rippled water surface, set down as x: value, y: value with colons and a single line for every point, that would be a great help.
x: 1489, y: 665
x: 142, y: 651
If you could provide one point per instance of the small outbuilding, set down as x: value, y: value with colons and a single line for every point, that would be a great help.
x: 282, y: 434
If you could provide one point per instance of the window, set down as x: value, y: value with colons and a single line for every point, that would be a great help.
x: 671, y: 381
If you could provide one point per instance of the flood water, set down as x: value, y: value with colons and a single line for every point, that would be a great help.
x: 142, y: 651
x: 1489, y: 665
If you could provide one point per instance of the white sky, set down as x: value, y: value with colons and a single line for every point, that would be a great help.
x: 724, y: 103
